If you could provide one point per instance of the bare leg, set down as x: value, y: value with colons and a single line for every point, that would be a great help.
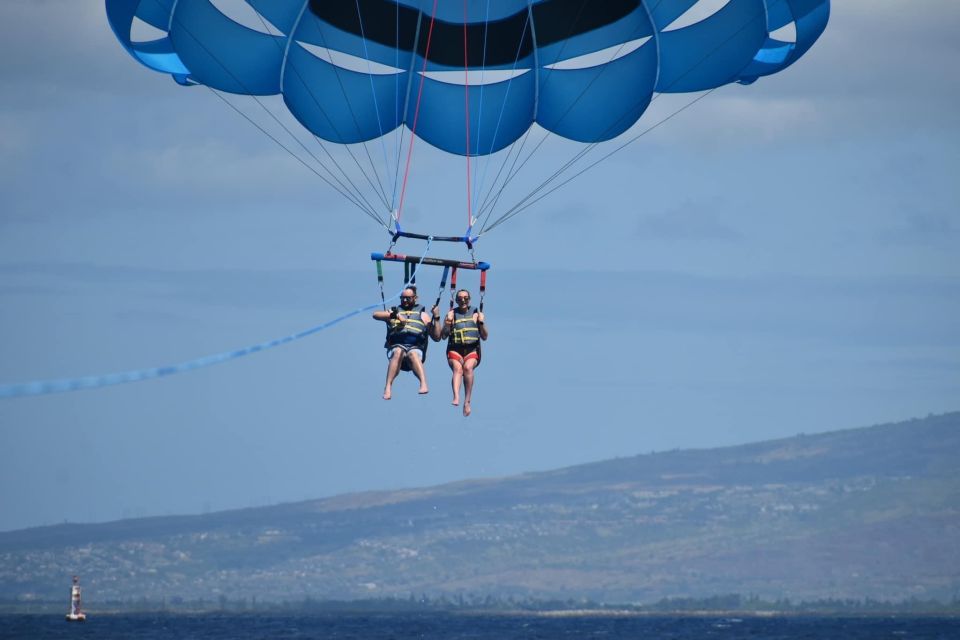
x: 468, y: 366
x: 416, y: 365
x: 457, y: 379
x: 392, y: 370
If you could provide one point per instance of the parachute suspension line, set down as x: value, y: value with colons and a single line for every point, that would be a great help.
x: 523, y: 204
x: 416, y: 116
x: 513, y: 172
x: 358, y: 194
x: 406, y: 106
x: 371, y: 212
x: 346, y: 176
x: 46, y: 387
x: 519, y: 206
x: 368, y: 208
x: 398, y: 136
x: 503, y: 106
x: 484, y: 205
x: 528, y: 24
x: 563, y: 46
x: 489, y: 207
x: 466, y: 111
x: 343, y: 192
x: 483, y: 69
x: 566, y: 39
x: 602, y: 69
x: 378, y: 186
x: 376, y: 105
x: 529, y: 199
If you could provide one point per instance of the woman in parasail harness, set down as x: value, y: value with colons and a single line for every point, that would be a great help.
x: 464, y: 327
x: 408, y: 329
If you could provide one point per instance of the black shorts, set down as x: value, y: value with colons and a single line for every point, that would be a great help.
x: 462, y: 352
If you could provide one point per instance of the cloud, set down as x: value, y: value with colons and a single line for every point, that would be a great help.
x: 881, y: 68
x: 62, y: 44
x: 88, y: 129
x: 733, y: 116
x: 925, y: 227
x: 689, y: 220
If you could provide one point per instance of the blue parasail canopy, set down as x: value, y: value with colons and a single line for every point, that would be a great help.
x: 470, y: 75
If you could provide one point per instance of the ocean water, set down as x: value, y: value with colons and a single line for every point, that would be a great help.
x: 450, y: 626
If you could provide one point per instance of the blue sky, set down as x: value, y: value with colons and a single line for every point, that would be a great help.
x: 779, y: 258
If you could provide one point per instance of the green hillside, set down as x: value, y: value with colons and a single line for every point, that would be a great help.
x: 862, y: 513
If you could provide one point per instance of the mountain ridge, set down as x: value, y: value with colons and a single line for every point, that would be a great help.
x: 863, y: 512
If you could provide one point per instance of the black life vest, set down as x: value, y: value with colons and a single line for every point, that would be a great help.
x: 408, y: 329
x: 410, y: 333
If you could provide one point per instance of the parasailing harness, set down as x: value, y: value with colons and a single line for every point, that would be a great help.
x: 402, y: 328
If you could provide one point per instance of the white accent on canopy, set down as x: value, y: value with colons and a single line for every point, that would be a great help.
x: 349, y: 62
x: 475, y: 77
x: 141, y: 31
x: 598, y: 58
x: 786, y: 33
x: 242, y: 13
x: 697, y: 13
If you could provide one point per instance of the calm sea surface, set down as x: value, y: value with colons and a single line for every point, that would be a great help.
x: 473, y: 627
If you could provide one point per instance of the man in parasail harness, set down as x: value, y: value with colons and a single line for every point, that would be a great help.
x: 464, y: 327
x: 408, y: 329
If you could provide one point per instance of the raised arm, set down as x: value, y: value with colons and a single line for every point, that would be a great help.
x: 385, y: 316
x: 435, y: 325
x: 447, y: 325
x: 481, y: 325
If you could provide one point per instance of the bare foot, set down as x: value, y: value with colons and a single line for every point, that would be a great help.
x: 423, y: 390
x: 456, y: 401
x: 466, y: 409
x: 387, y: 394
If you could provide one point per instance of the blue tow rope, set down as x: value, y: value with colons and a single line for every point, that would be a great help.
x: 44, y: 387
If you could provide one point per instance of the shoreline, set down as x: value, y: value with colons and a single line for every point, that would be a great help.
x: 346, y: 610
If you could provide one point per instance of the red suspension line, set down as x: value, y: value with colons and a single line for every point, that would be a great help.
x: 416, y: 112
